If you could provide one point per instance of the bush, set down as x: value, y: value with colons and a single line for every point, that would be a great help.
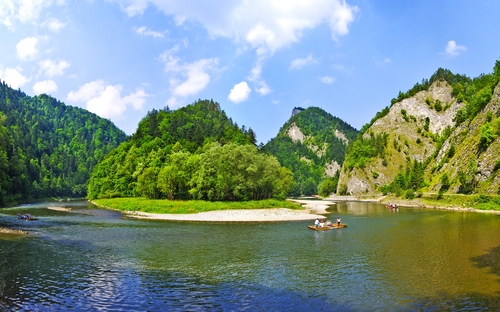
x: 410, y: 194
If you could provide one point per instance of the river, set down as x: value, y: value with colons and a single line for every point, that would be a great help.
x: 95, y: 259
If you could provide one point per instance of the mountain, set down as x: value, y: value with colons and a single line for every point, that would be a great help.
x: 194, y: 152
x: 441, y: 136
x: 48, y: 148
x: 312, y: 144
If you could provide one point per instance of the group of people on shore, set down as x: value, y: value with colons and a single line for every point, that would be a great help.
x: 321, y: 223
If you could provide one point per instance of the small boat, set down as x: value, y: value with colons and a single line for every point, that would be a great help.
x: 26, y: 217
x: 326, y: 228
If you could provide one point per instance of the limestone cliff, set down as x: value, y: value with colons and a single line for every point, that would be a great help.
x: 450, y: 130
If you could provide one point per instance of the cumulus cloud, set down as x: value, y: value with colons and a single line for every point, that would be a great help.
x: 23, y: 11
x: 54, y: 24
x: 106, y: 100
x: 327, y: 79
x: 46, y: 86
x: 51, y: 68
x: 239, y: 92
x: 266, y: 24
x: 453, y: 49
x: 300, y: 63
x: 186, y: 78
x: 144, y: 31
x: 26, y: 48
x: 13, y: 77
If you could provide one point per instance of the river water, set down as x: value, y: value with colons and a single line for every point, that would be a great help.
x: 95, y: 259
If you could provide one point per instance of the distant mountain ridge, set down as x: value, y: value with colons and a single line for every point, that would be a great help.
x: 312, y: 143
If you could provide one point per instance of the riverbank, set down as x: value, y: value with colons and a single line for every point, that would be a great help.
x: 310, y: 210
x: 453, y: 202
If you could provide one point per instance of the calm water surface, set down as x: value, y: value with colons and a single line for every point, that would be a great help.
x: 405, y: 260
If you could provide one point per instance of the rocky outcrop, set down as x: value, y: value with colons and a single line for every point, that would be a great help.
x: 411, y: 127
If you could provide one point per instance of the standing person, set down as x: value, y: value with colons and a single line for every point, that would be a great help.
x: 316, y: 223
x: 338, y: 221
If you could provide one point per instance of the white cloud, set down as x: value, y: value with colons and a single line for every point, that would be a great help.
x: 87, y: 91
x: 26, y: 48
x: 300, y: 63
x: 327, y: 79
x: 263, y: 24
x: 453, y: 49
x: 144, y: 31
x: 46, y: 86
x: 239, y: 92
x: 263, y: 88
x: 106, y: 100
x: 187, y: 78
x: 13, y: 77
x: 23, y: 10
x: 54, y: 24
x: 50, y: 68
x: 383, y: 62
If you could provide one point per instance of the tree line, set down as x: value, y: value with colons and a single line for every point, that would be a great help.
x: 48, y: 148
x: 195, y: 152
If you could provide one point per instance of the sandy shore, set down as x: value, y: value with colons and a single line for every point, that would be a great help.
x: 57, y: 208
x: 313, y: 209
x: 12, y: 231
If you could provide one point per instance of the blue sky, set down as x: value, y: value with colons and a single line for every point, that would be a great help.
x: 258, y: 58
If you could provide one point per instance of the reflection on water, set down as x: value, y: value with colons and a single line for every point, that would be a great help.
x: 409, y: 259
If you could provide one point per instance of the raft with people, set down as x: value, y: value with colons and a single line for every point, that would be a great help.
x: 320, y: 225
x: 326, y: 228
x: 27, y: 217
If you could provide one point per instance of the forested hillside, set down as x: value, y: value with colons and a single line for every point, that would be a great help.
x: 195, y: 152
x: 48, y: 148
x: 312, y: 144
x: 441, y: 136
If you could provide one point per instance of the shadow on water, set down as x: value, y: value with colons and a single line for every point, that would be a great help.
x: 467, y: 302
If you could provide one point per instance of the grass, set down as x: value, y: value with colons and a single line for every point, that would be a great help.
x: 476, y: 201
x: 188, y: 206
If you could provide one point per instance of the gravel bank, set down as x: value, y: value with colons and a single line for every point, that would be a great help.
x: 313, y: 209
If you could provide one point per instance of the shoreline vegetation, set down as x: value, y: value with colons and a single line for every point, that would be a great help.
x: 289, y: 210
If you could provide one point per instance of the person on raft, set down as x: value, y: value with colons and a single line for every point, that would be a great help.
x: 339, y: 221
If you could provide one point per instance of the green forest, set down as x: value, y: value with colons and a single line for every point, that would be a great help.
x: 195, y: 152
x: 319, y: 128
x: 48, y: 148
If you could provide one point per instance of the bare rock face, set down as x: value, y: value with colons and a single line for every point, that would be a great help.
x: 332, y: 168
x: 358, y: 186
x: 341, y: 136
x: 295, y: 134
x: 410, y: 126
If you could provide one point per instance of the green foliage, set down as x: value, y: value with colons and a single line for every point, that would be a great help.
x: 467, y: 178
x: 342, y: 189
x: 328, y: 186
x: 47, y: 148
x: 194, y: 152
x: 487, y: 135
x: 191, y: 206
x: 364, y: 149
x: 408, y: 181
x: 445, y: 183
x: 307, y: 166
